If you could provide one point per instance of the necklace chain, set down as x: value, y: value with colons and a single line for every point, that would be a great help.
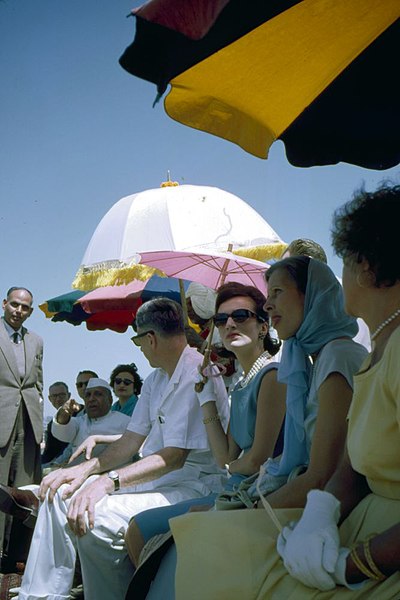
x: 258, y: 364
x: 384, y: 323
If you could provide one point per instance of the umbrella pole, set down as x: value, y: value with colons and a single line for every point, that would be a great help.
x: 199, y: 386
x: 183, y: 302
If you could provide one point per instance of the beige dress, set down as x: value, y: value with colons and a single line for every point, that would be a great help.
x: 231, y: 555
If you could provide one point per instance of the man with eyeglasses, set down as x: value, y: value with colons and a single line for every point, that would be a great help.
x: 58, y: 395
x: 97, y: 420
x: 70, y: 408
x: 177, y: 464
x: 21, y: 394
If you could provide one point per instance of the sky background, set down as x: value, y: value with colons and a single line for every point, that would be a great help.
x: 78, y: 133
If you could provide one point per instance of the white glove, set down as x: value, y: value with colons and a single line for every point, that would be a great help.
x: 310, y: 549
x: 208, y: 394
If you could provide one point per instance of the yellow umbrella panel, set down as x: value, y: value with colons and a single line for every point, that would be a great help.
x: 251, y: 91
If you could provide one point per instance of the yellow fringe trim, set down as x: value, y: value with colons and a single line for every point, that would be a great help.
x: 47, y: 312
x: 89, y: 278
x: 265, y: 252
x: 115, y: 273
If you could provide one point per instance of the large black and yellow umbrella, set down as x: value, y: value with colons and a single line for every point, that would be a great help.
x: 317, y: 74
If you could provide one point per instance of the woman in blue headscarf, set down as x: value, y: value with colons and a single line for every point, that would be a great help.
x: 306, y: 307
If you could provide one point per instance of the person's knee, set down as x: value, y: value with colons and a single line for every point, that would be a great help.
x: 134, y: 542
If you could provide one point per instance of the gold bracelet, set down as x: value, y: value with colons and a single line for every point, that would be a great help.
x: 211, y: 419
x: 371, y: 563
x: 360, y: 565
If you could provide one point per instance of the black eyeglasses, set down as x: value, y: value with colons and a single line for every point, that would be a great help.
x: 240, y: 315
x: 136, y: 338
x: 118, y: 381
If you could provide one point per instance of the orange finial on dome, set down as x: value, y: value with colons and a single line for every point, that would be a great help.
x: 169, y: 183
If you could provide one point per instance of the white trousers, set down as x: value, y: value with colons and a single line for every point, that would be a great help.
x: 106, y: 567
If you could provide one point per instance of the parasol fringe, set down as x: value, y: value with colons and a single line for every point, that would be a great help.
x: 264, y: 252
x: 117, y: 273
x: 103, y: 274
x: 48, y: 313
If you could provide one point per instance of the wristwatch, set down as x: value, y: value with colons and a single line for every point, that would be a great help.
x: 115, y: 477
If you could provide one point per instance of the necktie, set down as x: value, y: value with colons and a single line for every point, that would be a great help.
x: 15, y: 337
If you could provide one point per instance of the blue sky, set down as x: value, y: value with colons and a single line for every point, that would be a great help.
x: 78, y: 133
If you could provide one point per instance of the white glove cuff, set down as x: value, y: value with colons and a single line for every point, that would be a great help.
x: 318, y: 500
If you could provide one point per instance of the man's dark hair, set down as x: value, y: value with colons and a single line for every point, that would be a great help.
x: 15, y: 288
x: 59, y: 383
x: 87, y: 372
x: 162, y: 315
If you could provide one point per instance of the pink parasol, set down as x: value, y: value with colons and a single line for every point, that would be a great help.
x: 210, y: 269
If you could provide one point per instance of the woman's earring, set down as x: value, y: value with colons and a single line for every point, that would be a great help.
x: 261, y: 335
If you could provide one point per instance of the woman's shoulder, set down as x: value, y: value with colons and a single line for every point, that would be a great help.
x: 343, y: 346
x: 343, y: 356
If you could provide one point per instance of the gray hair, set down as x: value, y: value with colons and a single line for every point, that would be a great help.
x: 163, y: 315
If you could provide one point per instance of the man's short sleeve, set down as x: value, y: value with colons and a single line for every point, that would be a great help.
x: 140, y: 420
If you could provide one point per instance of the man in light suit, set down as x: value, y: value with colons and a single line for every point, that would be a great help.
x: 21, y: 406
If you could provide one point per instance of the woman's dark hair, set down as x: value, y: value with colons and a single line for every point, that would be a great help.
x: 234, y: 290
x: 367, y: 228
x: 132, y: 369
x: 296, y: 267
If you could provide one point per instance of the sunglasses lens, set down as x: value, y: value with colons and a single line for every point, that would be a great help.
x: 240, y: 315
x: 220, y: 319
x: 118, y: 381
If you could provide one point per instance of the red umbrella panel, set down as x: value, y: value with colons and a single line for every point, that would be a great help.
x: 111, y: 307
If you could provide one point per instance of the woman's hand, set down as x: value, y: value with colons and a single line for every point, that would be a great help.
x: 310, y: 549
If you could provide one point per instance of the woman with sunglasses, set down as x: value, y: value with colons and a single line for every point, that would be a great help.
x: 257, y: 405
x: 126, y: 383
x: 306, y: 306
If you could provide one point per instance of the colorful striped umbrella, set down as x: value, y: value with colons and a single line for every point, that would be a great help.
x: 316, y: 74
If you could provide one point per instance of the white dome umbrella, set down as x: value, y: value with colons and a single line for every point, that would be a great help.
x: 172, y: 217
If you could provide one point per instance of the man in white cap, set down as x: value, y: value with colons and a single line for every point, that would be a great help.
x: 167, y: 424
x: 99, y: 419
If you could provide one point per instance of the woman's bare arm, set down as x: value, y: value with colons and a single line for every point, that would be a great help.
x: 334, y: 397
x: 270, y: 415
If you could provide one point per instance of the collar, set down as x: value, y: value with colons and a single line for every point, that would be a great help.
x: 177, y: 374
x: 10, y: 330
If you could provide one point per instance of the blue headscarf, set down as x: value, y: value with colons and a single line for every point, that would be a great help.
x: 324, y: 320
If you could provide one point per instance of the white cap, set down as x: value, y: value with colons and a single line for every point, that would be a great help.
x: 203, y: 299
x: 97, y: 382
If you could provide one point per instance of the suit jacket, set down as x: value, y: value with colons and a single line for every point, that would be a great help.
x: 13, y: 391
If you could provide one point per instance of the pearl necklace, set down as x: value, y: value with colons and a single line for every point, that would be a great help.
x: 383, y: 325
x: 259, y: 363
